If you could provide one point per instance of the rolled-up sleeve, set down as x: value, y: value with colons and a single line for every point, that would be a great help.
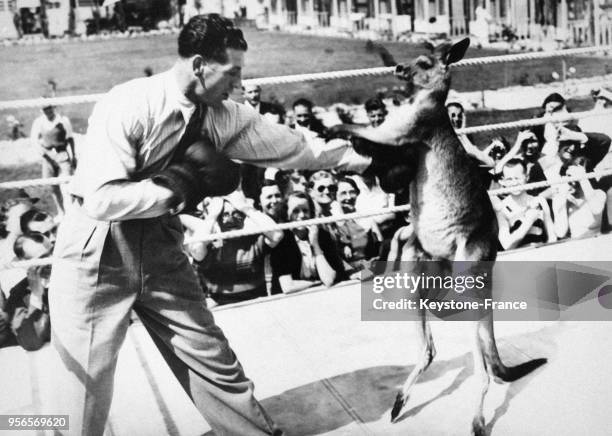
x: 104, y: 175
x: 245, y: 135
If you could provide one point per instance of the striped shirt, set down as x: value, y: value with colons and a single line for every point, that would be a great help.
x: 135, y: 128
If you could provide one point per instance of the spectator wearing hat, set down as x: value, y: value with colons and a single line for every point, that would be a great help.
x: 52, y: 135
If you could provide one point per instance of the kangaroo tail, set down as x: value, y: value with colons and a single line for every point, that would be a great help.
x: 512, y: 373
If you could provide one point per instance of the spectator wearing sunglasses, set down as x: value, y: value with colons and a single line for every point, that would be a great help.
x: 323, y: 190
x: 232, y: 269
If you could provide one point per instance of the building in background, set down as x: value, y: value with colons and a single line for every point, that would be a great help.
x: 562, y: 22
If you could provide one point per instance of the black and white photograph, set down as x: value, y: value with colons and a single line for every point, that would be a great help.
x: 305, y: 217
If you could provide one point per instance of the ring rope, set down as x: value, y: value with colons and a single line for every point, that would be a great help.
x: 17, y: 184
x: 379, y: 71
x: 534, y: 121
x: 331, y: 219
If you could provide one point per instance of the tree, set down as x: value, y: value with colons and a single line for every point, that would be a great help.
x: 44, y: 20
x: 71, y: 17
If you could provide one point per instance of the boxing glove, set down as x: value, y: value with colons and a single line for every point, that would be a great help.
x: 201, y: 171
x: 395, y: 167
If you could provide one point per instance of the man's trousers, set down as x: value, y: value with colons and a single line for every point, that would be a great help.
x: 104, y: 270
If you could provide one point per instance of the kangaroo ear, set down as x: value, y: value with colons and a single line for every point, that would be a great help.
x: 456, y: 52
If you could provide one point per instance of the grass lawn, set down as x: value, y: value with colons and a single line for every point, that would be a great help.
x: 96, y: 66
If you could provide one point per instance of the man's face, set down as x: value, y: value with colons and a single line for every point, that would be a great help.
x: 513, y: 176
x: 43, y: 223
x: 347, y: 196
x: 252, y: 93
x: 324, y: 191
x: 555, y: 107
x: 455, y: 113
x: 298, y: 182
x: 497, y: 150
x: 566, y: 152
x: 49, y: 112
x: 220, y: 79
x: 376, y: 117
x: 302, y: 115
x: 531, y: 148
x: 298, y: 209
x: 271, y: 201
x: 231, y: 218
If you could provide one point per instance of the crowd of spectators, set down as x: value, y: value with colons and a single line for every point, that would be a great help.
x: 27, y: 233
x: 547, y: 153
x: 275, y: 262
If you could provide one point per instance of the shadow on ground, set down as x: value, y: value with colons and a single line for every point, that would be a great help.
x: 366, y: 395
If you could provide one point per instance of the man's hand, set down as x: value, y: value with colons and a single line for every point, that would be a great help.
x: 313, y: 236
x: 565, y: 134
x: 35, y: 282
x: 239, y: 201
x: 214, y: 207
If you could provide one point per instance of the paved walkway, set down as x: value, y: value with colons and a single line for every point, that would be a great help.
x: 320, y: 370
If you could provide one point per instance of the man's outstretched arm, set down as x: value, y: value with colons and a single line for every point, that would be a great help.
x: 242, y: 134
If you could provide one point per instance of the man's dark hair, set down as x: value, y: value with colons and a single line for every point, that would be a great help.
x: 553, y: 97
x: 455, y: 104
x: 373, y: 104
x: 516, y: 161
x: 277, y: 109
x: 29, y: 217
x: 303, y: 196
x: 210, y: 36
x: 268, y: 182
x: 303, y: 102
x: 350, y: 182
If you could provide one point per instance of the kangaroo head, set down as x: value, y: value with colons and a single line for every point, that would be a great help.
x: 430, y: 72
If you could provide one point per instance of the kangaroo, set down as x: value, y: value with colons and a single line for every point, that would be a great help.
x: 452, y: 215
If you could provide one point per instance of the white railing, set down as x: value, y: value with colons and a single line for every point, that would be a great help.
x: 322, y: 18
x: 579, y: 32
x: 291, y: 18
x: 605, y: 31
x: 459, y: 25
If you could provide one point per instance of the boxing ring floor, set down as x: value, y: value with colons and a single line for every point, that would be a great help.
x: 319, y: 370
